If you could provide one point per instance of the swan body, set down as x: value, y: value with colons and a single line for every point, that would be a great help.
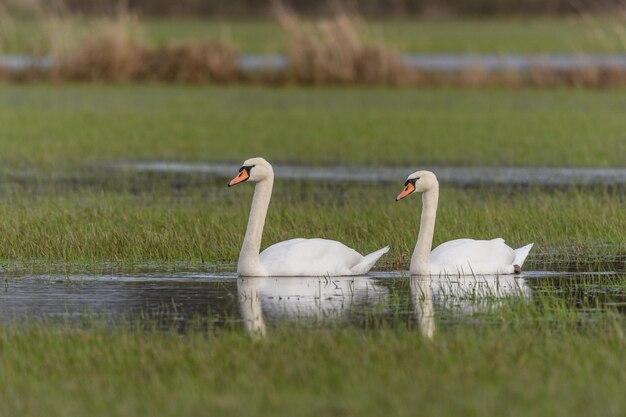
x: 295, y: 257
x: 460, y: 256
x: 315, y: 257
x: 476, y: 257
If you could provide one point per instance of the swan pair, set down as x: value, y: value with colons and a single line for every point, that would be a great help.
x: 321, y: 257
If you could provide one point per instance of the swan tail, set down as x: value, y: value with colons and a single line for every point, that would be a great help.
x: 521, y: 254
x: 368, y: 262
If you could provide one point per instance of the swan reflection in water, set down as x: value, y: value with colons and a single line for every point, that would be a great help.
x: 335, y: 299
x: 305, y: 298
x: 463, y: 296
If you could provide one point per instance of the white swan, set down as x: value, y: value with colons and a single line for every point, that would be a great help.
x: 460, y: 256
x: 294, y: 257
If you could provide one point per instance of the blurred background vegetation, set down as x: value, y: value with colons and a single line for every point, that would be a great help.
x: 363, y: 42
x: 370, y: 8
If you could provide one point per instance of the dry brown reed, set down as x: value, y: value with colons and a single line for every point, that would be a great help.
x: 338, y: 50
x: 192, y: 63
x: 115, y: 51
x: 332, y: 50
x: 537, y: 77
x: 335, y: 50
x: 610, y: 33
x: 109, y: 48
x: 112, y: 51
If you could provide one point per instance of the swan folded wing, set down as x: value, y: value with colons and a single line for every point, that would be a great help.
x: 469, y: 257
x: 309, y: 257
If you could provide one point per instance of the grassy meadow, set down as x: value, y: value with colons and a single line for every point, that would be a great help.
x: 598, y: 34
x: 46, y: 128
x: 465, y: 35
x: 203, y: 226
x: 567, y: 366
x: 62, y: 203
x: 62, y: 206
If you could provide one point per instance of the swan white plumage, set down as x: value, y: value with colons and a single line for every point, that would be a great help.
x: 294, y: 257
x: 460, y: 256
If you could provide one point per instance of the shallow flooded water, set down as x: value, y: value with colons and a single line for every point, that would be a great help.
x: 505, y: 62
x: 427, y: 62
x: 450, y: 175
x: 179, y: 300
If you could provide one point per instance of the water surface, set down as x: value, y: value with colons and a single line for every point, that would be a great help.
x: 178, y: 300
x: 450, y: 175
x: 504, y: 62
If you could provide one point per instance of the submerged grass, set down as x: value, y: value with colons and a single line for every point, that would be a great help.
x: 558, y: 369
x: 71, y: 128
x: 572, y: 229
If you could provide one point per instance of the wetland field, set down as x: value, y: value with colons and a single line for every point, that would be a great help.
x: 119, y: 294
x: 49, y: 129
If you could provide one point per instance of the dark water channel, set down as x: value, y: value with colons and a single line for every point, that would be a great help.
x: 182, y: 300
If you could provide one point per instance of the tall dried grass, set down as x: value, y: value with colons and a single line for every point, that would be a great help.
x: 115, y: 51
x: 335, y: 50
x: 110, y: 48
x: 611, y: 33
x: 111, y: 51
x: 192, y: 63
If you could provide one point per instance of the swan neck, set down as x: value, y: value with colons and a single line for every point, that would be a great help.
x: 249, y: 262
x: 420, y: 261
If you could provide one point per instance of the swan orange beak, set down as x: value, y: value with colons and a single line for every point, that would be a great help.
x: 407, y: 190
x: 243, y: 175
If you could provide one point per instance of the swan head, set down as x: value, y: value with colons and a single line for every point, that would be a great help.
x: 420, y: 181
x: 254, y: 170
